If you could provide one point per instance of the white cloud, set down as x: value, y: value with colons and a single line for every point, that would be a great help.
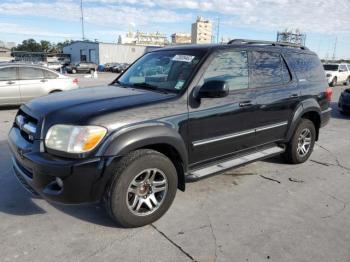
x: 11, y: 28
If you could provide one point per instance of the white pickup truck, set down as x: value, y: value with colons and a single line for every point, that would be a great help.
x: 337, y: 73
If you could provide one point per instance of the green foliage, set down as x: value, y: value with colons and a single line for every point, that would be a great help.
x: 30, y: 45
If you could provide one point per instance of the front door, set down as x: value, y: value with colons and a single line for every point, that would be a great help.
x: 9, y: 87
x: 220, y: 127
x: 277, y: 95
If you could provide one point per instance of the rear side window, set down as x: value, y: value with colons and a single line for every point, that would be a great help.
x: 28, y: 73
x: 307, y: 67
x: 343, y: 68
x: 268, y: 69
x: 50, y: 75
x: 8, y: 73
x: 229, y: 66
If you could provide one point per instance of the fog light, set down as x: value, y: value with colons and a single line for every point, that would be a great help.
x: 59, y: 182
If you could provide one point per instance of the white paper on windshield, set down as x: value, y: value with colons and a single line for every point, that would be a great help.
x: 183, y: 58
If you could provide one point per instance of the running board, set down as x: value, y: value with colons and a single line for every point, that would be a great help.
x: 235, y: 162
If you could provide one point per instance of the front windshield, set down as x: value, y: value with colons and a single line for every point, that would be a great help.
x: 162, y: 70
x: 331, y: 67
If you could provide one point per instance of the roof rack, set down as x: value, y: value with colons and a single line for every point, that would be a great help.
x: 262, y: 42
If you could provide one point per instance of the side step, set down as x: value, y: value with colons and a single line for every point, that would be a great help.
x: 235, y: 162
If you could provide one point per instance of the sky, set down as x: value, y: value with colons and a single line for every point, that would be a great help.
x: 325, y: 22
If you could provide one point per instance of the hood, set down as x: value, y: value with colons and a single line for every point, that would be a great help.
x: 81, y: 105
x: 329, y: 72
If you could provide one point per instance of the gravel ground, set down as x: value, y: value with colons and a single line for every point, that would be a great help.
x: 301, y: 215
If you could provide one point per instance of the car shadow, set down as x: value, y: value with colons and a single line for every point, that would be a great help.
x: 336, y: 113
x: 16, y: 201
x: 9, y: 107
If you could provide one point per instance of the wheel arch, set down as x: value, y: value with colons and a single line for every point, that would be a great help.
x: 308, y: 109
x: 159, y: 137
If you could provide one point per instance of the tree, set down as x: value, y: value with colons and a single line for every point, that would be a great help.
x: 30, y: 45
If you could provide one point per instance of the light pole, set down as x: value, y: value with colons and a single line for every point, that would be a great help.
x: 82, y: 19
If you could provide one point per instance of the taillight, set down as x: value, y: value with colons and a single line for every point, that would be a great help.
x: 329, y: 93
x: 75, y: 81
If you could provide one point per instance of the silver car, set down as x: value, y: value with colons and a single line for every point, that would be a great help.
x: 20, y: 83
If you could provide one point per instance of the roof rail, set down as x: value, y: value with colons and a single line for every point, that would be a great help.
x: 262, y: 42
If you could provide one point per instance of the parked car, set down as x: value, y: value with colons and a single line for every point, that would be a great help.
x: 54, y: 66
x: 344, y: 101
x: 337, y: 73
x: 135, y: 142
x: 120, y: 68
x: 20, y: 83
x: 109, y: 66
x: 82, y: 67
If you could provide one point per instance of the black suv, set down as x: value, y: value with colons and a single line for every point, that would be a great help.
x: 177, y: 114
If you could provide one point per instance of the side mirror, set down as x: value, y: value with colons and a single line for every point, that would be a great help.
x: 213, y: 89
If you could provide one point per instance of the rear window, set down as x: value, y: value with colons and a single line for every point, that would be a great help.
x: 268, y: 69
x: 28, y: 73
x: 307, y: 67
x: 50, y: 75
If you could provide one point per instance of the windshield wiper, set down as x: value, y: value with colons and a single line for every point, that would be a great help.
x: 149, y: 86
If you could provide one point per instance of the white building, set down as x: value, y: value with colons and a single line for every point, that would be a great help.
x: 140, y: 38
x: 180, y: 38
x: 201, y: 32
x: 102, y: 53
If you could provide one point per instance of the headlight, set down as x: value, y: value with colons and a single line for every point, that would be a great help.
x: 74, y: 139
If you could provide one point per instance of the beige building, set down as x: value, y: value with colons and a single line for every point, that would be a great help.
x: 201, y: 31
x: 180, y: 38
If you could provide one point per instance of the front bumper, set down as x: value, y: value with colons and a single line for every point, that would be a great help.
x: 344, y: 106
x: 83, y: 181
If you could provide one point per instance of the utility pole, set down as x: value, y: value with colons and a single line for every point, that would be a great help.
x: 335, y: 47
x: 82, y: 19
x: 218, y: 31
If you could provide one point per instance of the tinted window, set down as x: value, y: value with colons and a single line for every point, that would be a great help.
x: 231, y: 66
x: 266, y: 69
x: 50, y: 75
x: 307, y: 67
x: 8, y: 73
x: 27, y: 73
x: 330, y: 67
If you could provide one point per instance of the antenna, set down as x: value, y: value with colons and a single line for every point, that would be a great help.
x: 82, y: 19
x: 335, y: 47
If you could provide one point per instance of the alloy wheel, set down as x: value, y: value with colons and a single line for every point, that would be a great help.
x: 304, y: 142
x: 146, y: 192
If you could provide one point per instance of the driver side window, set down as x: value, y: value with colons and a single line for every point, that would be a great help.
x: 229, y: 66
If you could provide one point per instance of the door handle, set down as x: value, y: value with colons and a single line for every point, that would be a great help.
x: 10, y: 82
x: 294, y: 96
x: 245, y: 104
x: 43, y: 80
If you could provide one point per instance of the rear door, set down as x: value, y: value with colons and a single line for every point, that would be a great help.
x: 9, y: 87
x: 221, y: 127
x: 32, y: 83
x: 277, y: 95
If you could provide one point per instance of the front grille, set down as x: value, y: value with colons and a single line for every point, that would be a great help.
x: 27, y: 125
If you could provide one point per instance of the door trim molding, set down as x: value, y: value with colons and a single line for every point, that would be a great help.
x: 238, y: 134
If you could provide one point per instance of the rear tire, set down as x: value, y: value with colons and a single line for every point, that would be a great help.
x: 74, y: 71
x: 139, y: 175
x: 302, y: 143
x: 347, y: 82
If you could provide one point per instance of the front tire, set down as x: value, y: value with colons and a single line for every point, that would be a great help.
x: 334, y: 82
x: 74, y: 71
x: 142, y: 189
x: 347, y: 82
x: 302, y: 143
